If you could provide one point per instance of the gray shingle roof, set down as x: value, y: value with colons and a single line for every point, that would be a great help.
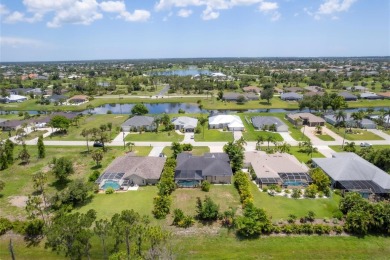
x: 137, y: 121
x: 351, y: 167
x: 145, y: 167
x: 196, y: 167
x: 260, y: 121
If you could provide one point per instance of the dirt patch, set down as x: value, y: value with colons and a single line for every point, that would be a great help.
x: 46, y: 169
x: 18, y: 201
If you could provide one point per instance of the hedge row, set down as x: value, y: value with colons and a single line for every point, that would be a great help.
x: 242, y: 184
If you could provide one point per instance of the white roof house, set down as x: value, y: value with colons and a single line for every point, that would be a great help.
x: 15, y: 98
x: 185, y: 122
x: 232, y: 122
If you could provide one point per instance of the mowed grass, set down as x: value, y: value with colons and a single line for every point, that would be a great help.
x: 196, y: 150
x: 339, y: 149
x: 107, y: 205
x: 358, y: 134
x: 227, y: 246
x: 251, y: 134
x: 35, y: 134
x: 224, y: 195
x: 18, y: 178
x: 89, y: 122
x: 213, y: 135
x: 279, y: 207
x: 325, y: 137
x: 164, y: 136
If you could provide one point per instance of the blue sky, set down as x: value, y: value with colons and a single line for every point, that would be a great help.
x: 49, y: 30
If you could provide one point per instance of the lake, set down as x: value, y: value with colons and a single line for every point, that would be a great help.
x: 187, y: 72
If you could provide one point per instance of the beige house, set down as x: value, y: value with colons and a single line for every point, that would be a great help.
x: 305, y: 119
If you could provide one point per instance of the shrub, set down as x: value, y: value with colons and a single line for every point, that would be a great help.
x: 287, y: 191
x: 186, y: 222
x: 178, y: 216
x: 338, y: 215
x: 187, y: 147
x: 93, y: 176
x: 34, y: 228
x: 321, y: 194
x: 337, y: 192
x: 265, y: 189
x: 5, y: 225
x: 291, y: 218
x: 311, y: 191
x: 296, y: 193
x: 205, y: 186
x: 338, y: 229
x: 207, y: 210
x: 161, y: 206
x: 110, y: 190
x: 278, y: 189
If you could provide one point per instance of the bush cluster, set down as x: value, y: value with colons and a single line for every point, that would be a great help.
x: 181, y: 220
x: 241, y: 182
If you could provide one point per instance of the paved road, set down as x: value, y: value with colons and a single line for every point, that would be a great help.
x: 156, y: 150
x: 163, y: 91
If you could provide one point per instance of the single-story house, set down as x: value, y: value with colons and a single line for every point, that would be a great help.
x: 184, y: 122
x: 293, y: 89
x: 103, y: 84
x: 370, y: 95
x: 130, y: 170
x: 253, y: 89
x: 350, y: 172
x: 357, y: 88
x: 279, y: 169
x: 11, y: 125
x: 312, y: 94
x: 137, y: 123
x: 19, y: 91
x: 78, y: 99
x: 192, y: 170
x: 364, y: 123
x: 385, y: 95
x: 291, y: 96
x: 348, y: 96
x: 231, y: 122
x: 386, y: 119
x: 260, y: 121
x: 57, y: 98
x: 305, y: 119
x: 232, y: 96
x: 314, y: 88
x: 278, y: 90
x: 13, y: 99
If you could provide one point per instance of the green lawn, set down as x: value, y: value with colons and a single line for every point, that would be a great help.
x: 337, y: 148
x: 251, y: 134
x: 279, y: 207
x: 17, y: 178
x: 107, y: 205
x: 213, y: 135
x: 163, y: 136
x: 224, y: 195
x: 196, y: 150
x: 358, y: 134
x: 304, y: 157
x: 34, y: 134
x: 88, y: 122
x: 325, y: 137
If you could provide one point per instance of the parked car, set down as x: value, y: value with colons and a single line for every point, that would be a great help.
x: 97, y: 144
x: 365, y: 144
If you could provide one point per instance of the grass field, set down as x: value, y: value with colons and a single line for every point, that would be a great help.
x: 279, y: 207
x: 17, y: 178
x: 88, y: 122
x: 338, y: 148
x: 196, y: 150
x: 325, y: 137
x: 163, y: 136
x: 251, y: 133
x: 34, y: 134
x: 359, y: 134
x: 213, y: 135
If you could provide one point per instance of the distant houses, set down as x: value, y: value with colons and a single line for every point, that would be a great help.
x: 259, y: 122
x: 347, y: 96
x: 370, y: 96
x: 253, y: 89
x: 192, y: 170
x: 229, y: 122
x: 350, y: 122
x: 188, y: 124
x: 139, y: 123
x: 78, y: 99
x: 291, y: 96
x: 232, y: 96
x: 13, y: 99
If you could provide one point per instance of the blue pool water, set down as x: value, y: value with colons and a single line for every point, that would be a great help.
x: 187, y: 184
x: 293, y: 183
x: 113, y: 184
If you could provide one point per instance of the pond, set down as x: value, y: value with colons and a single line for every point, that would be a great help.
x: 158, y: 108
x: 186, y: 72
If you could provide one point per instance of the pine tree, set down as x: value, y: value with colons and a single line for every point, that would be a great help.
x: 41, y: 147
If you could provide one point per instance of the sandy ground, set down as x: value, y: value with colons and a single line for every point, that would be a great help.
x: 18, y: 201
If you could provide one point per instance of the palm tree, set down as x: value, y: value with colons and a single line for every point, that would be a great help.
x: 284, y: 147
x: 357, y: 117
x: 340, y: 115
x: 270, y: 138
x: 241, y: 142
x: 85, y: 133
x: 319, y: 129
x: 202, y: 122
x: 130, y: 146
x: 157, y: 121
x: 260, y: 140
x: 310, y: 149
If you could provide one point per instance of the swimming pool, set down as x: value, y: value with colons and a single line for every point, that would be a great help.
x: 294, y: 183
x: 113, y: 184
x: 187, y: 183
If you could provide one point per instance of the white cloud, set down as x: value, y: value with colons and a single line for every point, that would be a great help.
x: 20, y: 17
x: 44, y: 6
x: 209, y: 14
x: 113, y: 6
x: 184, y: 13
x: 268, y: 6
x: 330, y: 7
x: 16, y: 42
x: 136, y: 16
x: 3, y: 10
x: 335, y: 6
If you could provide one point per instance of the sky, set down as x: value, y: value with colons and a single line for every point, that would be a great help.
x: 57, y: 30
